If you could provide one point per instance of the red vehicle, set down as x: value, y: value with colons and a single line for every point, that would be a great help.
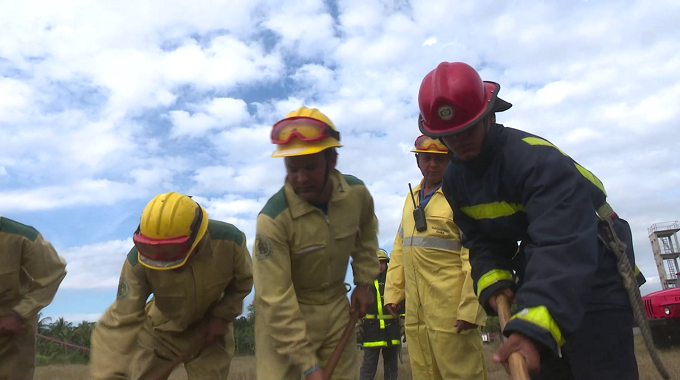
x: 663, y: 313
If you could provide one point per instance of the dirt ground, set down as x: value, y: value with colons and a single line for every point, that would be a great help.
x: 243, y: 368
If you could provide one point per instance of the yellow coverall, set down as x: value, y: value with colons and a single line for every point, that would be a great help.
x: 30, y: 274
x: 300, y: 260
x: 136, y: 340
x: 432, y: 271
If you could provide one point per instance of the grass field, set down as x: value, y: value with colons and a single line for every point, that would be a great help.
x: 243, y: 368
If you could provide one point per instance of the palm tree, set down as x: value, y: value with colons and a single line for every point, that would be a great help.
x: 83, y: 333
x: 62, y: 330
x: 43, y: 324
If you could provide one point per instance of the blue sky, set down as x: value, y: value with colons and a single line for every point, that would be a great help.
x: 103, y: 105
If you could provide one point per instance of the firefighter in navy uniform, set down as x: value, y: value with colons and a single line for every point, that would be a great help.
x: 574, y: 318
x: 380, y: 331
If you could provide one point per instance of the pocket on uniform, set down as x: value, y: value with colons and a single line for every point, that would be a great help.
x: 309, y: 268
x: 309, y: 249
x: 169, y: 300
x: 346, y: 240
x: 440, y: 224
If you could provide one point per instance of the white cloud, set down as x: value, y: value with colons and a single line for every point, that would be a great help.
x: 85, y: 192
x: 219, y: 113
x: 14, y: 97
x: 97, y: 100
x: 430, y: 41
x: 95, y: 266
x: 305, y: 27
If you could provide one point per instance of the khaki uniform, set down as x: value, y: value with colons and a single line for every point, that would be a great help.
x: 136, y: 340
x: 431, y: 271
x: 30, y: 274
x: 300, y: 262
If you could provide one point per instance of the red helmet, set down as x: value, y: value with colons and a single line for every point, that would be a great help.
x: 453, y: 98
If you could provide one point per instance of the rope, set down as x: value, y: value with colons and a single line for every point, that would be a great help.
x: 630, y: 283
x: 63, y: 343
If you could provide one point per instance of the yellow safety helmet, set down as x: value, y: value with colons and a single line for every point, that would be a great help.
x: 425, y: 144
x: 382, y: 255
x: 171, y: 226
x: 304, y: 131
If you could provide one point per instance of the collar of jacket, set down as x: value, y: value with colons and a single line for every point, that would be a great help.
x: 419, y: 186
x: 487, y: 153
x: 204, y: 249
x: 299, y: 206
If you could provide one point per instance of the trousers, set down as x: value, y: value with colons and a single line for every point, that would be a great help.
x: 603, y: 348
x: 370, y: 365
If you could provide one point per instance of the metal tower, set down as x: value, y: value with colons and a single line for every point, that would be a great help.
x: 666, y: 248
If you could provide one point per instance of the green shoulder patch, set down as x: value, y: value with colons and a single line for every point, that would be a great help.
x: 132, y: 257
x: 12, y: 227
x: 352, y: 180
x: 224, y: 231
x: 275, y: 205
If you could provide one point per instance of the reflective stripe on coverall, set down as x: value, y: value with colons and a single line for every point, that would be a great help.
x: 300, y: 261
x: 431, y: 271
x: 135, y: 339
x: 30, y: 274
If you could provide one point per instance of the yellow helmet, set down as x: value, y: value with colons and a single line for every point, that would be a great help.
x: 171, y: 226
x: 382, y: 255
x: 425, y: 144
x: 304, y: 131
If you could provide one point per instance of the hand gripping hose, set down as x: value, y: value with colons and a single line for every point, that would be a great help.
x: 630, y: 283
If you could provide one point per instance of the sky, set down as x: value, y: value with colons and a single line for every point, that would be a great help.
x: 105, y: 104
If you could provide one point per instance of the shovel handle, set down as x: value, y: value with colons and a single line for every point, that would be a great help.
x: 516, y: 362
x: 337, y: 353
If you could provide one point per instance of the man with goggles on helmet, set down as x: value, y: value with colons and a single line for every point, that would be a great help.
x: 306, y: 234
x: 199, y: 271
x: 574, y: 318
x: 430, y: 269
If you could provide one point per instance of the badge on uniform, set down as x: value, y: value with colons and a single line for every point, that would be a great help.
x: 263, y: 247
x: 123, y: 288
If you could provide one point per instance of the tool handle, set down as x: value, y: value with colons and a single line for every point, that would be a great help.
x: 518, y: 366
x: 337, y: 353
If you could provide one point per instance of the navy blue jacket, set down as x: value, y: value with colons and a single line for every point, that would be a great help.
x: 521, y: 188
